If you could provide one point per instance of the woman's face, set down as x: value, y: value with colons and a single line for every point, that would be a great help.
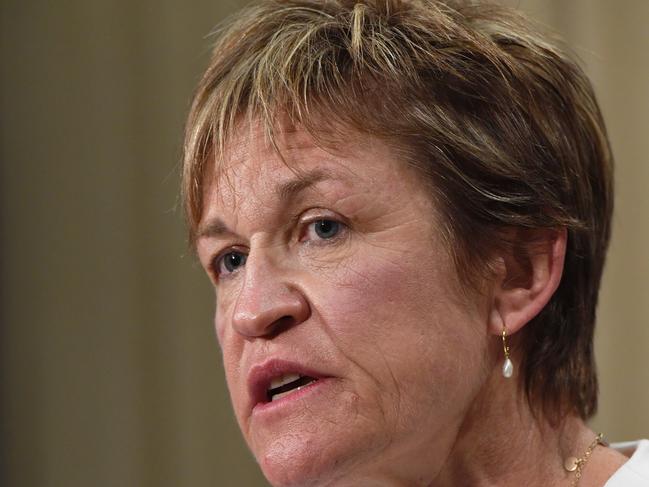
x: 349, y: 352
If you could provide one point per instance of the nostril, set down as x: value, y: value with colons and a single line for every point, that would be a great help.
x: 281, y: 325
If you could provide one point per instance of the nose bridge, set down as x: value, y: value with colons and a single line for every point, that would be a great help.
x: 267, y: 301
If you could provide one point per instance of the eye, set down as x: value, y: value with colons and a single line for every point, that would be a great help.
x: 229, y: 262
x: 325, y: 229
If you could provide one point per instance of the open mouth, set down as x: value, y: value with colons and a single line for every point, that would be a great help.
x: 275, y: 379
x: 286, y: 384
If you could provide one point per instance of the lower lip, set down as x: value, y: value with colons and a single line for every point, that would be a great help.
x: 294, y: 398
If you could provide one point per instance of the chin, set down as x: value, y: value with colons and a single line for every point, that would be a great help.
x: 297, y: 461
x: 315, y: 458
x: 314, y: 437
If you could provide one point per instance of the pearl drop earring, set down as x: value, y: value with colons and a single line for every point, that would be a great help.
x: 508, y: 366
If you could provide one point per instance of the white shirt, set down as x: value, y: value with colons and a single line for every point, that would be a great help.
x: 635, y: 472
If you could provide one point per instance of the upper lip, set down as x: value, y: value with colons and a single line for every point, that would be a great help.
x: 261, y: 375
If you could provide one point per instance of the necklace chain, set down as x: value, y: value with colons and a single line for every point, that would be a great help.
x: 576, y: 465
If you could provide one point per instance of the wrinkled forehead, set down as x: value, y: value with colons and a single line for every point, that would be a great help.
x: 253, y: 160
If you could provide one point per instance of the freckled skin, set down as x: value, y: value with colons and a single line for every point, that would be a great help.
x: 377, y: 308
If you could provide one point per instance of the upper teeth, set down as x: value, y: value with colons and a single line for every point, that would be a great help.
x: 282, y: 380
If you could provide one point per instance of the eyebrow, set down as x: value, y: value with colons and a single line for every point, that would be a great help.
x: 213, y: 228
x: 286, y: 191
x: 302, y: 181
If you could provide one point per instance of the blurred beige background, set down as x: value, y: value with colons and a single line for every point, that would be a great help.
x: 110, y: 371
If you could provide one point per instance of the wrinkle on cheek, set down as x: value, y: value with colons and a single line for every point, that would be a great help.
x: 370, y: 297
x: 352, y: 329
x: 396, y: 395
x: 386, y: 422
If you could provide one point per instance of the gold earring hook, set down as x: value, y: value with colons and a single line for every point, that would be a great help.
x: 505, y: 347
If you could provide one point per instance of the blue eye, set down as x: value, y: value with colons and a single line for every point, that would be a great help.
x: 230, y: 262
x: 326, y: 229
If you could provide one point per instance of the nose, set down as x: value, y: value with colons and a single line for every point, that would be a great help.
x: 268, y: 303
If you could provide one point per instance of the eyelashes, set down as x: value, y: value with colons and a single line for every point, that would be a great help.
x: 317, y: 231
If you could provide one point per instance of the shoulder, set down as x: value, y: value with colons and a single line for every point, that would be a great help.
x: 635, y: 471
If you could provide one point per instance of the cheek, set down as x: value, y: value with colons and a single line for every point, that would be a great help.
x: 225, y: 299
x: 379, y: 297
x: 401, y: 323
x: 231, y: 346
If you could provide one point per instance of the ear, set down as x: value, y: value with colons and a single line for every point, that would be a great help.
x: 528, y: 274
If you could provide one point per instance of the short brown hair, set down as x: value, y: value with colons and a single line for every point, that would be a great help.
x: 502, y: 122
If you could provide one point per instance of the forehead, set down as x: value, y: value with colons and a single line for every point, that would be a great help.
x: 254, y: 166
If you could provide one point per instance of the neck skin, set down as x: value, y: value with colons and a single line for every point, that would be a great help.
x: 500, y: 443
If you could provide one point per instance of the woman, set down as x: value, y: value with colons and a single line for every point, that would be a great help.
x: 404, y: 208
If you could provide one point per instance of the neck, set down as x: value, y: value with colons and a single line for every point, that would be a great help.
x: 502, y: 443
